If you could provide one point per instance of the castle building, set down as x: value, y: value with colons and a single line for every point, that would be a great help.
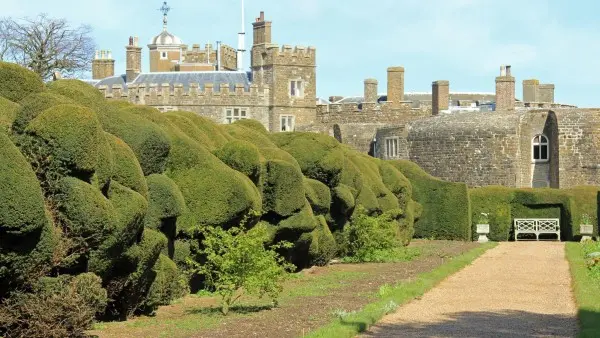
x: 477, y: 138
x: 279, y: 90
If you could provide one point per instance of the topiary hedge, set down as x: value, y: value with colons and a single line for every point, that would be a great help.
x: 242, y: 156
x: 283, y: 189
x: 8, y: 113
x: 17, y: 82
x: 80, y: 92
x: 76, y: 148
x: 169, y: 284
x: 126, y: 170
x: 34, y: 104
x: 318, y: 195
x: 446, y: 210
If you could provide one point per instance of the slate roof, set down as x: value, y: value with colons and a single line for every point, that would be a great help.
x: 185, y: 78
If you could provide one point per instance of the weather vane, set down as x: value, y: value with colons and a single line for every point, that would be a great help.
x: 165, y: 9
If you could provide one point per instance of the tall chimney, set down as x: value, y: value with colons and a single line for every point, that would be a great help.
x: 395, y: 85
x: 505, y: 89
x: 440, y: 96
x: 370, y: 91
x: 134, y: 59
x: 531, y: 90
x: 262, y: 30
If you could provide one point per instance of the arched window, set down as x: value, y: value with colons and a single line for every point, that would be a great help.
x: 541, y: 148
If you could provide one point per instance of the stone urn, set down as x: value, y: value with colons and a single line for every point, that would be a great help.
x: 482, y: 231
x: 586, y: 231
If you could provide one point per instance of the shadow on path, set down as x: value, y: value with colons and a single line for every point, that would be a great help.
x: 482, y: 324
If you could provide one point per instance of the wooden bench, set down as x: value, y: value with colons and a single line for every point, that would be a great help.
x: 537, y: 226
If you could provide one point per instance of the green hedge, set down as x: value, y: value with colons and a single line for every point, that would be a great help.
x: 202, y: 129
x: 127, y: 169
x: 149, y: 142
x: 8, y: 113
x: 320, y: 157
x: 80, y: 92
x: 505, y: 204
x: 166, y: 200
x: 17, y: 82
x: 283, y: 188
x: 248, y: 133
x: 242, y: 156
x: 168, y: 285
x: 323, y: 247
x: 318, y: 195
x: 76, y: 148
x: 34, y: 104
x: 446, y: 210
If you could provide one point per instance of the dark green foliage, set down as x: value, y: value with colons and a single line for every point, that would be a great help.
x: 149, y: 142
x: 17, y: 82
x: 136, y: 268
x: 202, y: 129
x: 87, y: 216
x: 446, y: 209
x: 22, y: 208
x: 269, y: 154
x: 57, y: 307
x: 321, y: 157
x: 168, y: 285
x: 80, y: 92
x: 126, y: 170
x: 283, y: 189
x: 166, y: 200
x: 34, y: 104
x: 8, y: 113
x: 318, y: 195
x: 323, y: 247
x: 75, y: 148
x: 396, y: 182
x: 253, y: 124
x: 247, y: 133
x: 242, y: 156
x: 106, y: 163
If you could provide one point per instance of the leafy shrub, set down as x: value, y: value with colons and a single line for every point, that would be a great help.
x: 57, y: 307
x: 237, y: 262
x: 373, y: 239
x: 17, y: 82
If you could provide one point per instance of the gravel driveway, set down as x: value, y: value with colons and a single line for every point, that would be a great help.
x: 513, y: 290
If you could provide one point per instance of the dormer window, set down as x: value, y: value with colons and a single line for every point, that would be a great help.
x: 296, y: 88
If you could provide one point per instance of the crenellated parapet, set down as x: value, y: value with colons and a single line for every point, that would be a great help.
x: 369, y: 113
x: 195, y: 94
x: 286, y: 55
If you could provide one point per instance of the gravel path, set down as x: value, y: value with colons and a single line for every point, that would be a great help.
x: 513, y: 290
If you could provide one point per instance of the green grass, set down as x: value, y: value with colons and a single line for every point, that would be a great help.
x: 313, y: 286
x: 350, y: 324
x: 586, y: 286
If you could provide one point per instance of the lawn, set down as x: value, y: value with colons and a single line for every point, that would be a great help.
x: 312, y: 299
x: 586, y: 287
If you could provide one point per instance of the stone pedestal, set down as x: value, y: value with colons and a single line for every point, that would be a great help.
x: 586, y: 231
x: 482, y: 231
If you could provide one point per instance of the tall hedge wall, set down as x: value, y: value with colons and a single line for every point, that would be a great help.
x: 445, y: 205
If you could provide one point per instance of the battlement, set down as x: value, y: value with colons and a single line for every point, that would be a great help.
x: 178, y: 90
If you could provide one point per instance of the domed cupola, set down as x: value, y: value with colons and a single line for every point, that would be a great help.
x: 166, y: 49
x: 166, y: 39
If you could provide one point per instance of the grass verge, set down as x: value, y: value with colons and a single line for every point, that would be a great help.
x: 390, y: 297
x: 586, y: 287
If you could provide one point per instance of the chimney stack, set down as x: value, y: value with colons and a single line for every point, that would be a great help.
x: 505, y: 89
x: 134, y: 59
x: 395, y: 85
x: 440, y: 96
x: 262, y: 30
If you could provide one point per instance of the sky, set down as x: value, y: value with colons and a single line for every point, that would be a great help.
x: 462, y: 41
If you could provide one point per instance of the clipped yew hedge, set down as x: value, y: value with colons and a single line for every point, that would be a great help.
x: 17, y: 82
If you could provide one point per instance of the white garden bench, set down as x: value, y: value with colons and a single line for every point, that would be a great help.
x: 537, y: 226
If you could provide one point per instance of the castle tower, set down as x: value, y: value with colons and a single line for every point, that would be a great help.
x: 134, y: 59
x: 103, y: 65
x: 289, y: 73
x: 166, y: 49
x: 440, y: 96
x: 395, y: 85
x: 505, y: 90
x: 531, y: 90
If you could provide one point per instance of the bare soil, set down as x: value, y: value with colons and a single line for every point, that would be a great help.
x: 308, y: 301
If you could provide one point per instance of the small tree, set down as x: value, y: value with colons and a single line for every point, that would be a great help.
x: 237, y: 262
x: 46, y: 45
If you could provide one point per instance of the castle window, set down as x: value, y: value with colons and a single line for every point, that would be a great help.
x: 541, y: 149
x: 287, y: 122
x: 163, y: 55
x: 235, y: 114
x: 296, y: 88
x: 391, y: 147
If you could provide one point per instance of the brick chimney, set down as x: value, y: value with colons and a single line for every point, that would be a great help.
x: 440, y: 96
x: 395, y: 85
x: 505, y: 89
